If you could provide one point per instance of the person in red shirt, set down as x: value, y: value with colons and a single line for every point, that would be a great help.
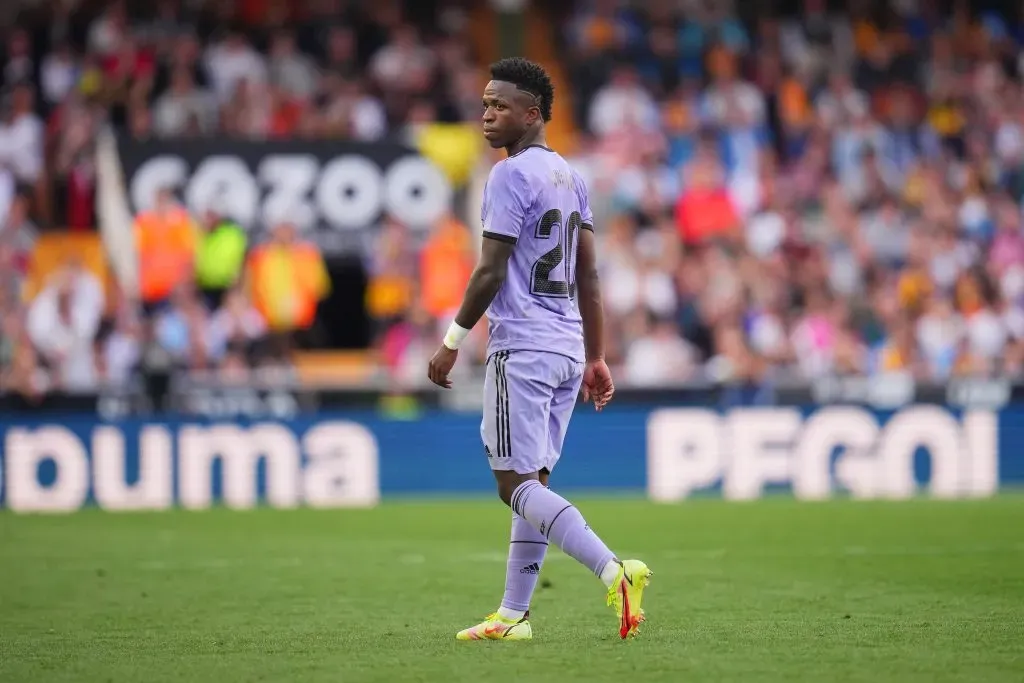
x: 131, y: 62
x: 705, y: 210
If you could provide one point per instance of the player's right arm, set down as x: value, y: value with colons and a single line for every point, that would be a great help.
x: 506, y: 198
x: 597, y: 378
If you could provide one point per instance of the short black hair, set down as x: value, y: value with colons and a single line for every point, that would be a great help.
x: 529, y: 77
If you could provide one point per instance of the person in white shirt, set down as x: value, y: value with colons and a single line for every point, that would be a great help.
x: 62, y: 324
x: 234, y: 327
x: 621, y: 103
x: 403, y: 63
x: 182, y: 103
x: 107, y: 31
x: 660, y: 356
x: 7, y: 191
x: 290, y: 69
x: 59, y: 74
x: 232, y: 61
x: 20, y: 65
x: 21, y: 137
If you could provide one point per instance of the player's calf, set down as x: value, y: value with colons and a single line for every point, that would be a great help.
x: 561, y: 523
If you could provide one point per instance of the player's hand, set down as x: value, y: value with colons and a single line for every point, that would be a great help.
x: 597, y: 384
x: 440, y: 365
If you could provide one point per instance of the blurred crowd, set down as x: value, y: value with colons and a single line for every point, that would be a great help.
x: 207, y: 304
x: 209, y: 299
x: 836, y: 189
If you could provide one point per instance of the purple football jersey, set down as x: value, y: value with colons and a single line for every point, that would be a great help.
x: 535, y: 200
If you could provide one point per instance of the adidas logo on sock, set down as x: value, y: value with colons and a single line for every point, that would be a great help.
x: 530, y: 569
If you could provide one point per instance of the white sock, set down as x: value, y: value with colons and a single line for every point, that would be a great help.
x: 610, y: 573
x: 513, y: 614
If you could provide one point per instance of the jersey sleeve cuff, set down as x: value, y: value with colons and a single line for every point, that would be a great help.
x: 498, y: 236
x: 588, y: 226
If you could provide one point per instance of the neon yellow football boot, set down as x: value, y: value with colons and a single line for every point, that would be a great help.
x: 626, y: 593
x: 495, y: 627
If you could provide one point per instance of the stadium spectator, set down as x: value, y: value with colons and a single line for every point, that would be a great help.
x: 165, y: 238
x: 19, y: 234
x: 182, y: 106
x: 249, y: 113
x: 72, y: 132
x: 180, y: 329
x: 120, y: 352
x: 7, y: 190
x: 109, y: 30
x: 446, y: 262
x: 286, y: 279
x: 406, y: 345
x: 58, y: 75
x: 349, y: 112
x: 658, y: 355
x: 220, y: 256
x: 234, y: 329
x: 403, y: 64
x: 20, y: 66
x: 22, y: 374
x: 393, y: 269
x: 705, y: 210
x: 232, y: 61
x: 21, y: 136
x: 62, y: 324
x: 623, y: 103
x: 290, y: 70
x: 12, y: 280
x: 341, y: 54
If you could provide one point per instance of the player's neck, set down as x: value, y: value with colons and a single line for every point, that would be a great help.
x: 529, y: 139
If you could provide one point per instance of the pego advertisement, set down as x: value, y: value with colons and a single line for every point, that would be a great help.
x: 61, y: 463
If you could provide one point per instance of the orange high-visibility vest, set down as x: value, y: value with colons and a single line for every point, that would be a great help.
x: 166, y: 247
x: 286, y: 282
x: 445, y: 267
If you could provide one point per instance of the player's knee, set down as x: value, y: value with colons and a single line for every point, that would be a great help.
x: 508, y: 482
x: 505, y: 490
x: 505, y: 494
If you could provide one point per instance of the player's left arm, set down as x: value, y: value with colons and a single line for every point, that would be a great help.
x: 597, y: 378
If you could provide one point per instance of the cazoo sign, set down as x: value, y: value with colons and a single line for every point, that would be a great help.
x: 333, y: 191
x: 817, y: 455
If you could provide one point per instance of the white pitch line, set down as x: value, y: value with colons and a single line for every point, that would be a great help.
x: 696, y: 554
x: 217, y: 563
x: 847, y: 551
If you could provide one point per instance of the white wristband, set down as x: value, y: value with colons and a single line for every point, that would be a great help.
x: 453, y: 338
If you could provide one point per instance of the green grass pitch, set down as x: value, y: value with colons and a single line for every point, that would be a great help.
x: 768, y: 591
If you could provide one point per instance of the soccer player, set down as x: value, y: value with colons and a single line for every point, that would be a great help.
x: 537, y: 281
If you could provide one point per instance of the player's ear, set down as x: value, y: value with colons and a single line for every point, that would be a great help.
x: 532, y: 115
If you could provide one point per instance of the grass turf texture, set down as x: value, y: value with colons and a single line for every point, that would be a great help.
x: 768, y: 591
